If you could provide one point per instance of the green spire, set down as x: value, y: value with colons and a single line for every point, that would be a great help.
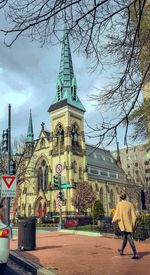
x: 66, y: 68
x: 30, y: 135
x: 66, y: 83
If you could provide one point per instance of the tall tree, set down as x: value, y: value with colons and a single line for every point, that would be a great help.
x: 83, y: 198
x: 112, y: 32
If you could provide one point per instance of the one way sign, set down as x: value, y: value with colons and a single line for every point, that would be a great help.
x: 8, y: 186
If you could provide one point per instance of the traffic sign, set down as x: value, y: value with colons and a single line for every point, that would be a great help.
x: 8, y: 186
x: 58, y: 168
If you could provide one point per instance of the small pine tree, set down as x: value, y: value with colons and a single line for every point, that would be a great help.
x: 97, y: 211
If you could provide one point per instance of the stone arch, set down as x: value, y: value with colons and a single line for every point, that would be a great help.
x: 38, y: 207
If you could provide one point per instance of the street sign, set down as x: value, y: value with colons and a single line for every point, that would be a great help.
x: 58, y: 202
x: 8, y: 186
x: 58, y: 168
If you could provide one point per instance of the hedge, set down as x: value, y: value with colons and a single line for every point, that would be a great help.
x: 142, y: 229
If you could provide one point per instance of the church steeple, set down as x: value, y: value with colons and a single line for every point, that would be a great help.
x: 66, y: 87
x: 30, y: 134
x: 66, y: 74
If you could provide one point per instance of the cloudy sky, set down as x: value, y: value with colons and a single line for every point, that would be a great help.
x: 28, y: 75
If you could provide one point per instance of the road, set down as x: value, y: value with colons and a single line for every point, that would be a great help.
x: 14, y: 269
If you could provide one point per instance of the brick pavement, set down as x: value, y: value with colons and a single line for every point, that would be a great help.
x: 69, y: 254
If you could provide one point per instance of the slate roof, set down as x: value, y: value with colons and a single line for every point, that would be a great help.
x: 101, y: 165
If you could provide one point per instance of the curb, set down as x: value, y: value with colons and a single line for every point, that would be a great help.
x: 28, y: 265
x: 85, y: 233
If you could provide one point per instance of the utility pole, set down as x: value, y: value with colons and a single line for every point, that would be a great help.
x: 9, y: 159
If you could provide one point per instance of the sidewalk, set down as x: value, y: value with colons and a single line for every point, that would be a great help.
x: 69, y: 254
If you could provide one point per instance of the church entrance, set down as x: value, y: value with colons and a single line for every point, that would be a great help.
x: 40, y: 210
x: 45, y: 209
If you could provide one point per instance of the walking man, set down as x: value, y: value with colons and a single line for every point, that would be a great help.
x: 126, y: 218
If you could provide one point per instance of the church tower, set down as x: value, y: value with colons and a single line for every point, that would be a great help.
x: 29, y: 138
x: 67, y: 142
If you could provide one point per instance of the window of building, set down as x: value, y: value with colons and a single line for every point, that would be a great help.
x: 74, y: 166
x: 45, y: 185
x: 112, y: 199
x: 104, y: 173
x: 147, y: 170
x: 128, y: 166
x: 146, y: 162
x: 112, y: 175
x: 97, y: 187
x: 136, y: 172
x: 80, y: 173
x: 42, y: 143
x: 59, y: 133
x: 136, y: 164
x: 75, y: 135
x: 101, y: 194
x: 39, y: 179
x: 94, y: 171
x: 29, y: 210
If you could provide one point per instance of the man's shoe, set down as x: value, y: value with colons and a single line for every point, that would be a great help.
x: 136, y: 257
x: 120, y: 252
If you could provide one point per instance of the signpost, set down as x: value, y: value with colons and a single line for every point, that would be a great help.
x: 8, y: 189
x: 58, y: 168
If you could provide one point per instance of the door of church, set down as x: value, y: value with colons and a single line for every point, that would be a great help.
x: 40, y: 211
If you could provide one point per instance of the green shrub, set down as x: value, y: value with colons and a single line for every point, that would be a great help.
x: 142, y: 230
x: 97, y: 211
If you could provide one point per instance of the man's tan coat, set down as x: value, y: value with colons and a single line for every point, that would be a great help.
x: 125, y: 216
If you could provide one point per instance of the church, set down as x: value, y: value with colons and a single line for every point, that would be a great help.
x: 63, y: 150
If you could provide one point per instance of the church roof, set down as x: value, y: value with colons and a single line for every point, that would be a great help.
x: 101, y: 165
x: 66, y: 83
x: 30, y: 134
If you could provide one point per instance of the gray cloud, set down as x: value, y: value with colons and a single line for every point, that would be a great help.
x: 28, y: 76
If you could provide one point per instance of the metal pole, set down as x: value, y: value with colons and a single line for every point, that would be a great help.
x: 60, y: 210
x: 9, y: 158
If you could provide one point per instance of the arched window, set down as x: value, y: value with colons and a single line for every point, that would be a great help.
x: 80, y: 173
x: 74, y: 166
x: 101, y: 194
x: 29, y: 210
x: 59, y: 135
x: 42, y: 143
x: 45, y: 178
x: 112, y: 199
x: 54, y: 205
x: 75, y: 135
x: 39, y: 179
